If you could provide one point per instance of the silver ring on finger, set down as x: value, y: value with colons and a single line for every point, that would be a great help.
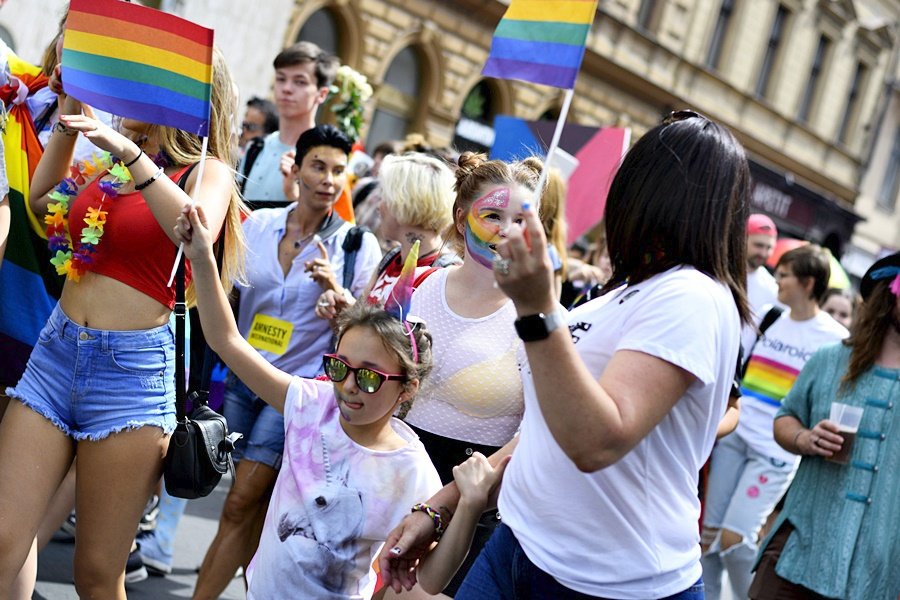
x: 501, y: 265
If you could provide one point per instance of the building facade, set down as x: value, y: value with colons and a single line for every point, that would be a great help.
x: 879, y: 197
x: 804, y: 84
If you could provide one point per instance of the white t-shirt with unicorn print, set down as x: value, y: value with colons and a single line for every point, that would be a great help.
x: 334, y: 502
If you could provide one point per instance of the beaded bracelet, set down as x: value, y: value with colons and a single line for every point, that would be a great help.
x: 154, y: 177
x: 435, y: 517
x: 135, y: 159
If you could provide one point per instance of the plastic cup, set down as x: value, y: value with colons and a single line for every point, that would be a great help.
x: 847, y: 418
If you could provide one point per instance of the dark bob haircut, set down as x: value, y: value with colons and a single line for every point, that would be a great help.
x: 681, y: 197
x: 321, y: 135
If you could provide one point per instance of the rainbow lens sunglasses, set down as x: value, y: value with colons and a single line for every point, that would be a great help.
x: 368, y: 380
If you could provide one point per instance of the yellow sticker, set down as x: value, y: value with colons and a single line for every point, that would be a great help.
x: 270, y: 334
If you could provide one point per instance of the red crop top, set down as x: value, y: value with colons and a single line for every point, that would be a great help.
x: 134, y: 248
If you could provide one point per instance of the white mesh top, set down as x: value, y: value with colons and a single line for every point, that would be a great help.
x: 474, y: 393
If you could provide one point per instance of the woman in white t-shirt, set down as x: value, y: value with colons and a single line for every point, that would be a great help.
x: 600, y: 498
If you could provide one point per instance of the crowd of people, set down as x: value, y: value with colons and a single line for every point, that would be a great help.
x: 437, y: 397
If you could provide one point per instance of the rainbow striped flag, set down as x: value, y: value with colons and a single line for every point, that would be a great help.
x: 139, y: 63
x: 541, y: 41
x: 29, y: 286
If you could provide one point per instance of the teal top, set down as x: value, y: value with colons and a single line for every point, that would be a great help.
x: 846, y: 518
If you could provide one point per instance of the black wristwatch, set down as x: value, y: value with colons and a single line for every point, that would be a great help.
x: 532, y: 328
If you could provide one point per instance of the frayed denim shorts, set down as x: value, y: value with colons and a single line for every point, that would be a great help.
x: 91, y: 383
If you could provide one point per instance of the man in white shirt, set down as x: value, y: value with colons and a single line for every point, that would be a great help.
x: 762, y: 291
x: 303, y: 75
x: 761, y: 286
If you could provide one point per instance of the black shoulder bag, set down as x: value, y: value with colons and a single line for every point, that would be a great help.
x: 200, y: 447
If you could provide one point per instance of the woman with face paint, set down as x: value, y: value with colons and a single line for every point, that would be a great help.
x: 473, y: 400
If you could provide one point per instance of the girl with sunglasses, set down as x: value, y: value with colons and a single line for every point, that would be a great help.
x: 350, y: 470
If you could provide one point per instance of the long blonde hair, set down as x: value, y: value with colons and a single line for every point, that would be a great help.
x: 185, y: 149
x: 553, y: 215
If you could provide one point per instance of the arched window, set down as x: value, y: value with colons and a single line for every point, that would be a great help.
x: 321, y: 29
x: 398, y: 99
x: 475, y: 128
x: 551, y: 114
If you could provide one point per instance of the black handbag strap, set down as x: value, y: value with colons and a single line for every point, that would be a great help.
x: 180, y: 312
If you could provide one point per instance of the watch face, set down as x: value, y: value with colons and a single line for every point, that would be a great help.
x: 532, y: 328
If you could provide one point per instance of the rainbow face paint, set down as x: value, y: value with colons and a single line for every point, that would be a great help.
x: 484, y: 224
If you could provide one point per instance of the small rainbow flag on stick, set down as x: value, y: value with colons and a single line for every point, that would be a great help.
x: 541, y: 41
x: 140, y: 63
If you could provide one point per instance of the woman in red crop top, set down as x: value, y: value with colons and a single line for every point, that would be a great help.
x: 100, y: 381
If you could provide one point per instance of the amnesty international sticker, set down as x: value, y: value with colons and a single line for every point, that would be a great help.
x: 270, y: 334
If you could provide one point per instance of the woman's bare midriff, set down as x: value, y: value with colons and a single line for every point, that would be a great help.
x: 100, y: 302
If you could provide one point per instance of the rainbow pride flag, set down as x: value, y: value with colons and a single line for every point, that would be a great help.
x: 140, y: 63
x: 541, y: 41
x: 29, y: 286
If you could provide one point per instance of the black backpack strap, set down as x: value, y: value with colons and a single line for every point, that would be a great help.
x: 387, y: 258
x: 352, y: 244
x: 768, y: 319
x: 253, y: 149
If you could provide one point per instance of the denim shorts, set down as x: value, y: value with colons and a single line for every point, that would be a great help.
x: 262, y: 425
x: 91, y: 383
x: 503, y: 572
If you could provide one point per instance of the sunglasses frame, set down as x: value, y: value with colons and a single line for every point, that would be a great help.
x: 681, y: 115
x: 351, y: 369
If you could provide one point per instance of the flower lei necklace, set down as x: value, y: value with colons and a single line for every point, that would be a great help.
x: 69, y: 261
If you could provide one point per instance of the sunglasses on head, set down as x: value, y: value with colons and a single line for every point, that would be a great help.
x: 681, y: 115
x: 368, y: 380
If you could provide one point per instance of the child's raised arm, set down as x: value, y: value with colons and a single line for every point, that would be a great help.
x: 476, y: 480
x: 222, y: 335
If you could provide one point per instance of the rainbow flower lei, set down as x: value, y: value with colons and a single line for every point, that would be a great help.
x: 68, y: 261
